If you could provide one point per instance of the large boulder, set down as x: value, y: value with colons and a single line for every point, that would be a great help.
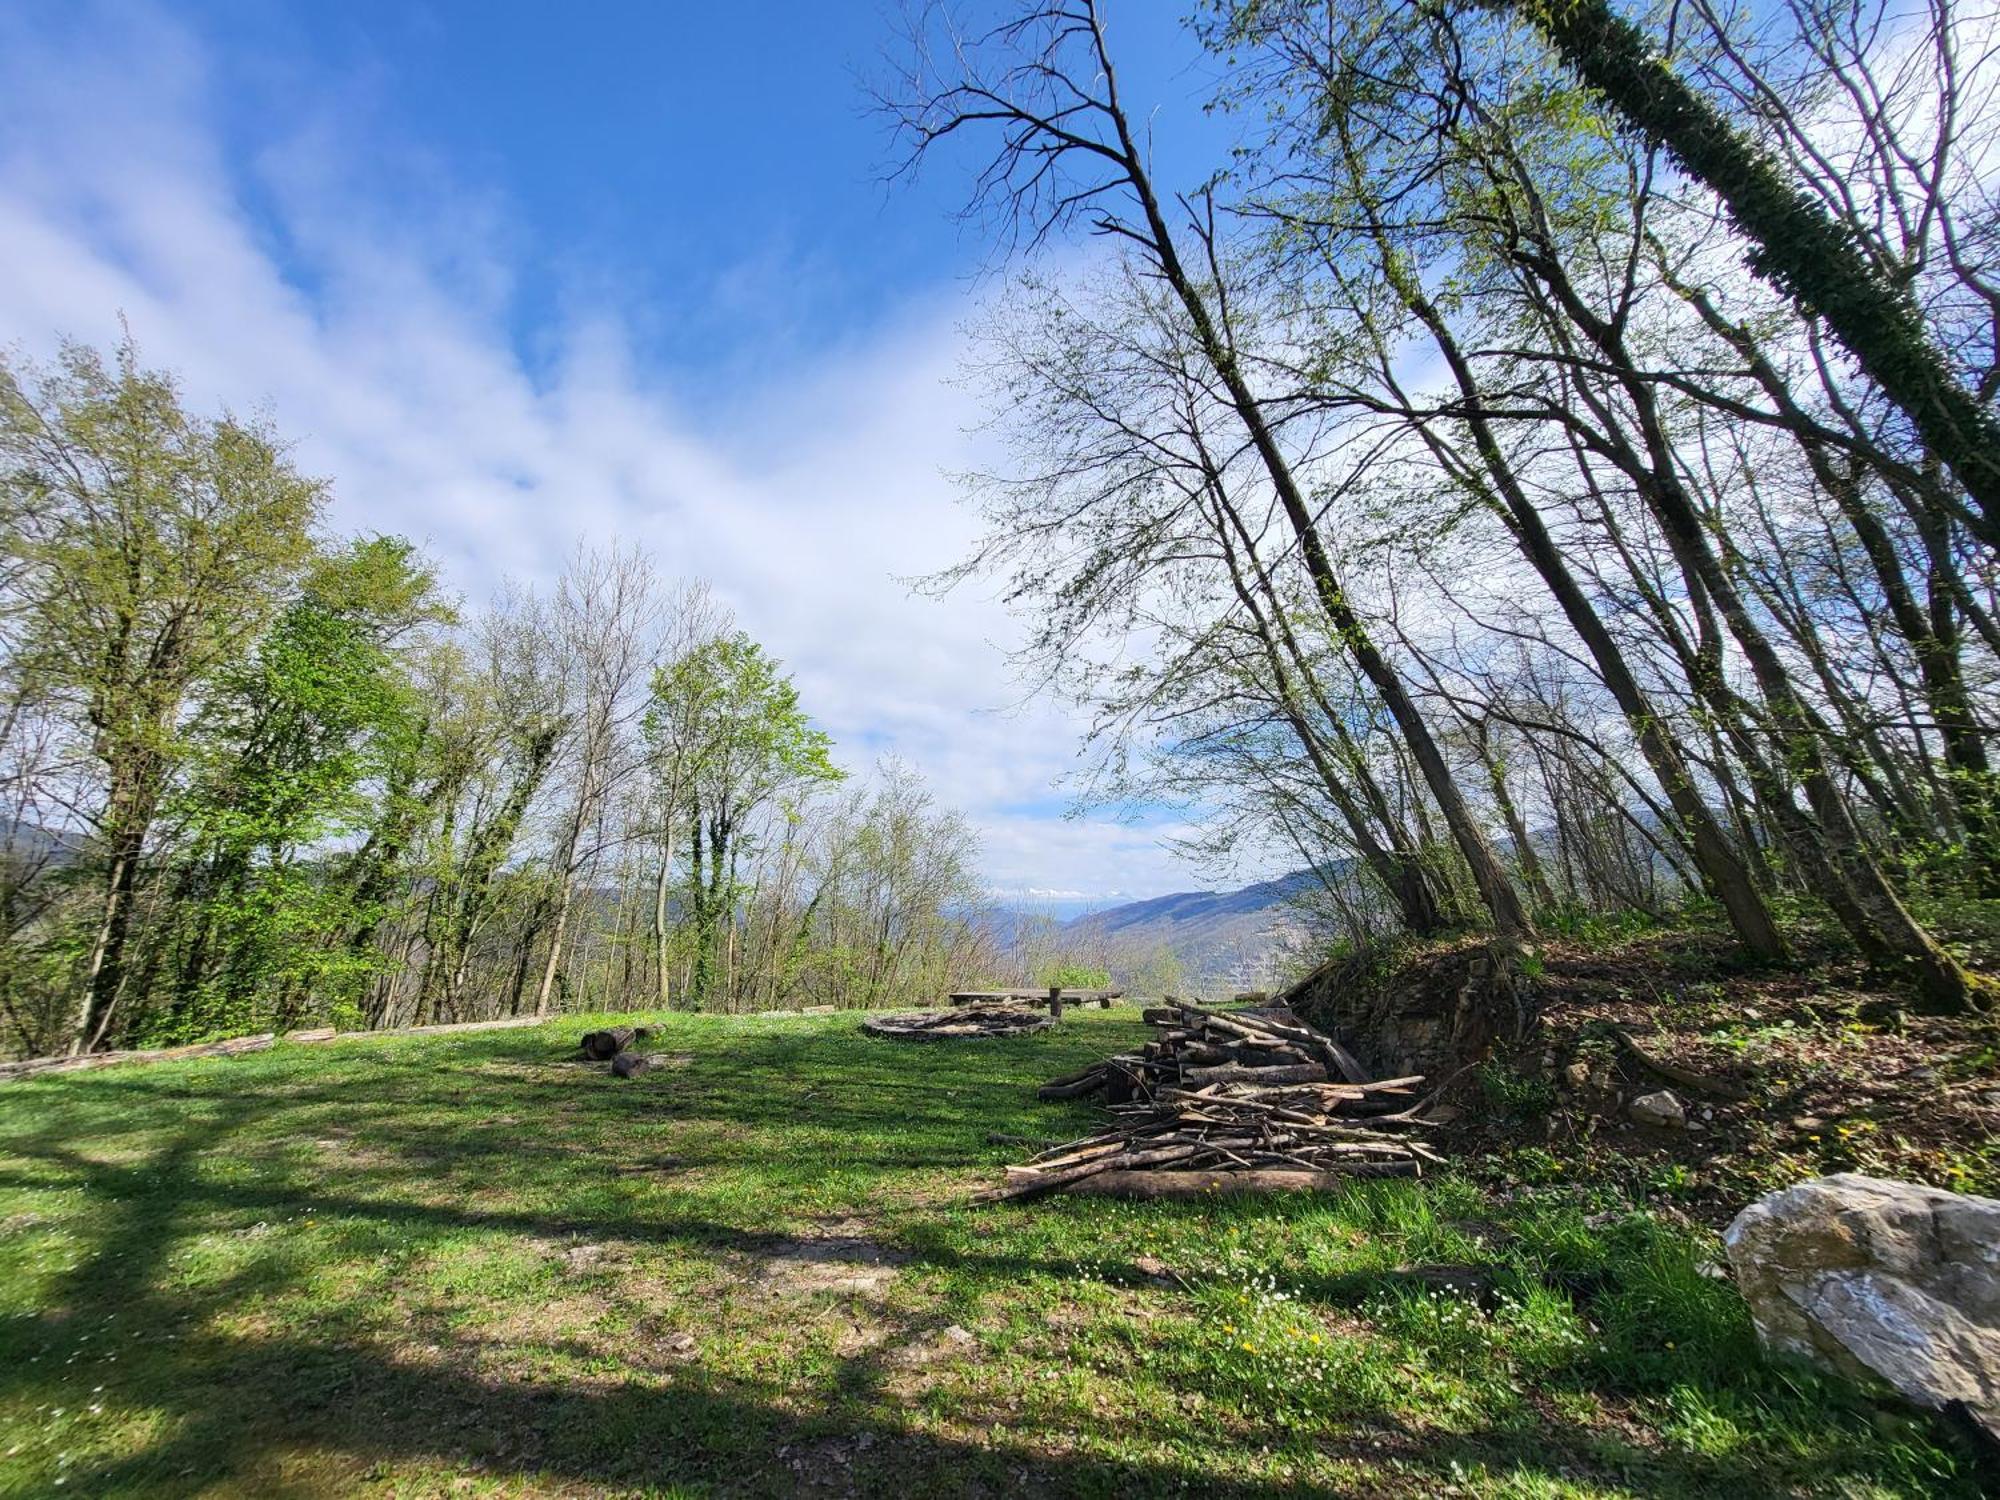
x: 1878, y: 1278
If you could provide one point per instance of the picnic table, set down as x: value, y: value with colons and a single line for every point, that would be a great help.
x: 1052, y: 999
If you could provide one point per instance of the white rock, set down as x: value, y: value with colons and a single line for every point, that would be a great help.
x: 1663, y: 1109
x: 1878, y: 1278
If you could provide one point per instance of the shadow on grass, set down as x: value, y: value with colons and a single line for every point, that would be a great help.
x: 274, y: 1410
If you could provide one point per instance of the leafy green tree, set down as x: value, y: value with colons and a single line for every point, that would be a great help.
x: 292, y: 744
x: 730, y: 720
x: 147, y: 550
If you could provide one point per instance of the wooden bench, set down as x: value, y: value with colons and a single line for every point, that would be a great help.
x: 1052, y: 999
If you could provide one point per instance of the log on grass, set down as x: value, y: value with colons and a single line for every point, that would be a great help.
x: 1079, y: 1087
x: 231, y: 1048
x: 600, y: 1045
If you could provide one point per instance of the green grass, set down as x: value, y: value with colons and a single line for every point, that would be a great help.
x: 463, y: 1265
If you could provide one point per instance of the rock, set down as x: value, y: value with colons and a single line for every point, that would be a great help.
x: 1871, y: 1277
x: 1577, y: 1075
x: 1663, y: 1110
x: 1154, y: 1269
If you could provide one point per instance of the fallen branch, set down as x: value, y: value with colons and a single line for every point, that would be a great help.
x: 1719, y: 1088
x: 231, y: 1048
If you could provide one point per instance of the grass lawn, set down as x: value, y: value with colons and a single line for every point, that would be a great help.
x: 465, y: 1265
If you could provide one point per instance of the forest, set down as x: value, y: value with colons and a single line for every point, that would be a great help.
x: 1550, y: 485
x: 262, y: 776
x: 1458, y: 496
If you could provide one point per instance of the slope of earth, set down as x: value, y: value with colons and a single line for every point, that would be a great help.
x: 466, y: 1265
x: 1780, y: 1074
x: 1224, y: 939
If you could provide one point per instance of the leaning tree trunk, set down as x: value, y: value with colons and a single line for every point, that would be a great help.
x: 1801, y: 249
x: 1727, y: 876
x: 104, y: 974
x: 1502, y: 901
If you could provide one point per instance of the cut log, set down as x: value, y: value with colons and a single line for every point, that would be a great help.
x: 1238, y: 1073
x: 1075, y: 1088
x: 601, y: 1045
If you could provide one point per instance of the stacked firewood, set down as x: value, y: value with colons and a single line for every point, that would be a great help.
x: 1228, y: 1103
x: 1197, y: 1047
x: 964, y: 1021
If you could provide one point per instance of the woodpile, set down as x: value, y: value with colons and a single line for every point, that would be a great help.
x: 1228, y: 1103
x: 1197, y: 1047
x: 966, y: 1021
x: 1053, y: 999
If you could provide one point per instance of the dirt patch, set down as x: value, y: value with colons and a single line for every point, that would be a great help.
x: 933, y: 1346
x: 849, y: 1265
x: 581, y: 1257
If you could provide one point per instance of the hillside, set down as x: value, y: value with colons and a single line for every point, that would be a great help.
x: 1224, y: 939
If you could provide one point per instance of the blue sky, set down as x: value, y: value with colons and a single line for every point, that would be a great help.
x: 515, y: 274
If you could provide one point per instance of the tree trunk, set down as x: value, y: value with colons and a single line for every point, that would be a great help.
x: 105, y: 972
x: 1727, y: 877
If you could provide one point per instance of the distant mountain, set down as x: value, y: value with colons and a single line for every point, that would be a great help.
x: 1224, y: 939
x: 1057, y: 906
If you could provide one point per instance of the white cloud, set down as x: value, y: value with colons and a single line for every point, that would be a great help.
x: 379, y: 338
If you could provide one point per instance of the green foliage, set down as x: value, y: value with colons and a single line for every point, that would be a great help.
x: 727, y: 722
x: 147, y: 550
x: 1074, y: 976
x: 1520, y: 1094
x: 288, y: 750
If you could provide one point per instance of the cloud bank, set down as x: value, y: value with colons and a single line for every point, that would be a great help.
x: 362, y: 296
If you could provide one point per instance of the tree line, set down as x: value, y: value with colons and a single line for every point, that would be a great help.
x: 261, y: 776
x: 1547, y: 456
